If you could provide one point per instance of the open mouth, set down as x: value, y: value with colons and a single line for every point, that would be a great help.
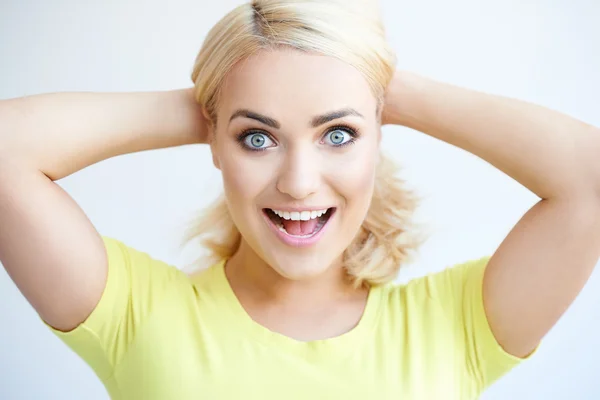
x: 299, y: 225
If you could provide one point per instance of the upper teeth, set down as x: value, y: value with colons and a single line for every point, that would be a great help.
x: 300, y: 215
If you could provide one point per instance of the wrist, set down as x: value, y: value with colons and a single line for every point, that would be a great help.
x: 399, y: 98
x: 186, y: 118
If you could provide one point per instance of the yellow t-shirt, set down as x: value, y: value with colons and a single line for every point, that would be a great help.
x: 158, y: 334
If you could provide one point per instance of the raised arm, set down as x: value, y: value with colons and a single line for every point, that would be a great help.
x: 544, y: 262
x: 47, y: 245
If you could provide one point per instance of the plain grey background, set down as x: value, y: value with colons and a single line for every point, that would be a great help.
x: 541, y: 51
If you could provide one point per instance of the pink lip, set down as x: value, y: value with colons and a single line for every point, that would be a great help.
x: 294, y: 241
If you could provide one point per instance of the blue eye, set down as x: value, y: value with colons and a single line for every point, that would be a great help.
x: 340, y: 137
x: 257, y: 141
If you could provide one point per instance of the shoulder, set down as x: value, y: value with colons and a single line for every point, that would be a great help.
x: 445, y: 309
x: 443, y: 285
x: 138, y: 269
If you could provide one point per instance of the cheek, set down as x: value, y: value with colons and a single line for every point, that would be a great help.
x: 244, y: 177
x: 354, y: 179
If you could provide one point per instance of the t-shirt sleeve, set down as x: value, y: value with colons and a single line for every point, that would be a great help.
x: 134, y: 287
x: 459, y: 289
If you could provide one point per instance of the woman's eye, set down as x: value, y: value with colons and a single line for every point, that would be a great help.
x: 338, y: 137
x: 257, y: 141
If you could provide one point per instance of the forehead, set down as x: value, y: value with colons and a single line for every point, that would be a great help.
x: 272, y: 80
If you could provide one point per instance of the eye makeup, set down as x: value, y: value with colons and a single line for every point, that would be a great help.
x: 246, y: 138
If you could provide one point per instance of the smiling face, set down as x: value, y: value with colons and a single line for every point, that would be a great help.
x: 297, y: 141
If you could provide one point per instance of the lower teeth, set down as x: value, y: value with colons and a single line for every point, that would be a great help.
x: 317, y: 228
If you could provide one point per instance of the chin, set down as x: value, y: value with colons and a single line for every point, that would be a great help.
x: 299, y: 267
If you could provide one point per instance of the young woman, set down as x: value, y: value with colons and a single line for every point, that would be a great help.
x: 312, y: 229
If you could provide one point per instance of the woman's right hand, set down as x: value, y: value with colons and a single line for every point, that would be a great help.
x: 201, y: 129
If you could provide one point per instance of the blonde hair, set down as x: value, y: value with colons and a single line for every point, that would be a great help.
x: 351, y: 31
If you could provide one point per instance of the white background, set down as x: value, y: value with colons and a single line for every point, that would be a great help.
x: 541, y: 51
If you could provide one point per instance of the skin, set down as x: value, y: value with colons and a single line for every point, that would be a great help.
x: 533, y: 277
x: 545, y: 260
x: 300, y: 167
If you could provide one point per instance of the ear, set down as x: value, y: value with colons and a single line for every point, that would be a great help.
x: 211, y: 137
x: 214, y: 147
x: 380, y: 122
x: 215, y: 157
x: 380, y: 113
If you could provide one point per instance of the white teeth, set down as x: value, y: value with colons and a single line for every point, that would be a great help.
x: 300, y: 216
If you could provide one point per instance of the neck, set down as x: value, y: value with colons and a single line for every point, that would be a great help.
x: 249, y: 274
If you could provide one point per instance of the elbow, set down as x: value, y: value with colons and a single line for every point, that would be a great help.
x: 13, y: 139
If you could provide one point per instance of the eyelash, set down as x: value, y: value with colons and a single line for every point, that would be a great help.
x: 354, y: 133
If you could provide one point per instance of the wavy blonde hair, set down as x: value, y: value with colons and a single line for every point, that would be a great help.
x: 351, y: 31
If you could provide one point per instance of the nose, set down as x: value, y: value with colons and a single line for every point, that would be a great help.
x: 300, y: 174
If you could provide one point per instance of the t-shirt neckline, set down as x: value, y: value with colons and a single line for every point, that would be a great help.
x: 343, y: 343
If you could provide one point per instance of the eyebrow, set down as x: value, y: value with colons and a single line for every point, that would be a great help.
x: 244, y: 113
x: 315, y: 121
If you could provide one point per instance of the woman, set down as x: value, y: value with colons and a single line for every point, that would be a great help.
x: 314, y: 226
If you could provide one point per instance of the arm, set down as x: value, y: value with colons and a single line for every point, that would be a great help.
x: 59, y: 134
x: 47, y: 245
x: 544, y: 262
